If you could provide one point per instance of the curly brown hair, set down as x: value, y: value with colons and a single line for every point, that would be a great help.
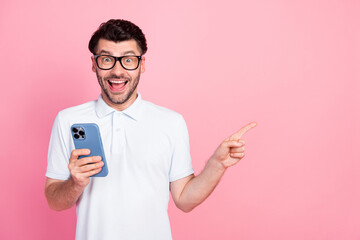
x: 118, y: 30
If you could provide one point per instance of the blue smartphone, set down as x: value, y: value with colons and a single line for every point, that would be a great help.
x: 87, y: 135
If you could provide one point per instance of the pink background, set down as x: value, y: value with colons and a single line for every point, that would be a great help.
x: 292, y: 66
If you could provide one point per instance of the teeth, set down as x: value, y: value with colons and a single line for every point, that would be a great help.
x: 116, y: 82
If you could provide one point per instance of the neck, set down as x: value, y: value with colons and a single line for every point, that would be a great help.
x: 120, y: 106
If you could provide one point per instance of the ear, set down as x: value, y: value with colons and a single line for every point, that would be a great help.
x: 142, y: 65
x: 93, y: 67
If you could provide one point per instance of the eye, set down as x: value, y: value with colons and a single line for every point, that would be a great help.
x: 128, y: 60
x: 107, y: 59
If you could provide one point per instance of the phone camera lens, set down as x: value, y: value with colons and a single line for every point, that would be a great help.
x: 76, y: 136
x: 75, y: 130
x: 81, y: 133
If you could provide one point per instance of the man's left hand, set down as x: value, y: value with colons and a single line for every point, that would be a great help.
x: 232, y: 149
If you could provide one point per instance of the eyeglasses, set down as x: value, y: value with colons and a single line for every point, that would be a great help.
x: 107, y: 62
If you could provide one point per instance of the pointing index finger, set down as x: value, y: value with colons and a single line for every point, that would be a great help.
x: 243, y: 130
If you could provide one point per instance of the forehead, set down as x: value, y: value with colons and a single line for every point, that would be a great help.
x: 118, y: 48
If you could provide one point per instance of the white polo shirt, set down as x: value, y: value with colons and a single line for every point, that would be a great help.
x: 146, y: 147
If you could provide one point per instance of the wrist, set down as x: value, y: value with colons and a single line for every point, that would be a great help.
x: 78, y: 187
x: 217, y: 164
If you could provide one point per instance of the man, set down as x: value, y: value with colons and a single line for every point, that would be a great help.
x: 146, y: 148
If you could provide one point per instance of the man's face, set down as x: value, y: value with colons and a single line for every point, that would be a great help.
x: 118, y: 85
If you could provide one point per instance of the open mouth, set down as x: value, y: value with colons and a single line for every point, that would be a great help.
x: 117, y: 85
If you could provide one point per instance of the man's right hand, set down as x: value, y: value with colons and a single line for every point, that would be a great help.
x: 82, y: 169
x: 63, y: 194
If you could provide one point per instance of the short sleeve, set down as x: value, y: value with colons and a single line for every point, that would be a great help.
x: 181, y: 165
x: 58, y: 153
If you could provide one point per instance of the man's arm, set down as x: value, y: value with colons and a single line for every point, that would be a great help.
x: 190, y: 191
x: 63, y: 194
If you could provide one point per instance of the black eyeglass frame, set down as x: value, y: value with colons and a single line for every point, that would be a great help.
x: 117, y: 59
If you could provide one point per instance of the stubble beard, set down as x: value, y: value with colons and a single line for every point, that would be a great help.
x: 127, y: 96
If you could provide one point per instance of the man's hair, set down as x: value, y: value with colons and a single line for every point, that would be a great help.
x: 118, y: 30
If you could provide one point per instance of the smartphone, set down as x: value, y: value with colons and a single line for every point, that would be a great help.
x: 87, y: 135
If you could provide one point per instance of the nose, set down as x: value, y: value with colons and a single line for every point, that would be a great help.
x: 118, y: 69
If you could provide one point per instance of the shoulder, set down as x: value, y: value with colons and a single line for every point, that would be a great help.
x: 81, y: 110
x: 163, y: 121
x: 76, y: 114
x: 151, y: 110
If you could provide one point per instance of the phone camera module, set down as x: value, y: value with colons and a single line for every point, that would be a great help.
x: 78, y: 133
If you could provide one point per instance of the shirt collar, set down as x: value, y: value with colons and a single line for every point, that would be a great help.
x: 133, y: 111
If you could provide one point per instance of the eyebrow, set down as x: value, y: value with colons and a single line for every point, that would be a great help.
x: 130, y: 51
x: 106, y: 52
x: 109, y: 53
